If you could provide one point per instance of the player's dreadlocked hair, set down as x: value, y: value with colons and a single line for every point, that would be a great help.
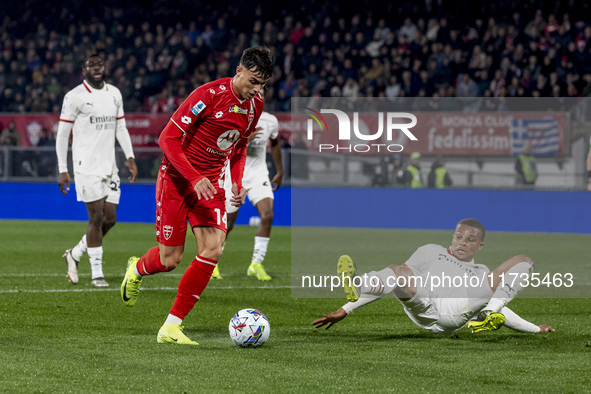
x: 474, y: 223
x: 258, y: 60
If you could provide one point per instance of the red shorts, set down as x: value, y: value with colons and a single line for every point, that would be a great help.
x: 176, y: 202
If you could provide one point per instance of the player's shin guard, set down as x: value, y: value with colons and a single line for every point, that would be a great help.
x: 510, y: 287
x: 149, y: 264
x: 374, y: 285
x: 191, y: 286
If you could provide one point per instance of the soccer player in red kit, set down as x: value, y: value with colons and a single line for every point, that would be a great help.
x: 209, y: 130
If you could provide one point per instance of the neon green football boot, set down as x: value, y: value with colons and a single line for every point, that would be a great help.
x: 346, y: 269
x: 216, y: 273
x: 257, y: 270
x: 130, y: 287
x: 487, y: 321
x: 173, y: 333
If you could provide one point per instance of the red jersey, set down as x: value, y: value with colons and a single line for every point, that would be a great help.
x: 210, y: 128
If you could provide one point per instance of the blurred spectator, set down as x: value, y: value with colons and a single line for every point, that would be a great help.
x: 526, y: 167
x: 10, y: 136
x: 438, y: 176
x: 388, y: 172
x: 408, y: 31
x: 40, y: 59
x: 467, y: 87
x: 299, y: 163
x: 412, y: 176
x: 351, y: 88
x: 47, y: 160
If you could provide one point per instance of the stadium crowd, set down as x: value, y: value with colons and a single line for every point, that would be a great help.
x: 157, y: 55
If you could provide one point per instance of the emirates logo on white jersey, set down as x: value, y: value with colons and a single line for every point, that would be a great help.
x: 227, y: 139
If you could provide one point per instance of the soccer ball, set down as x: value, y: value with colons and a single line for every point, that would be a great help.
x: 249, y: 328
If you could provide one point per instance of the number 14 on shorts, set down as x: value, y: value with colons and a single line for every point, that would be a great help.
x: 221, y: 218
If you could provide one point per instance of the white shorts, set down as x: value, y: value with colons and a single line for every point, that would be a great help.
x: 256, y: 189
x: 90, y: 188
x: 440, y: 314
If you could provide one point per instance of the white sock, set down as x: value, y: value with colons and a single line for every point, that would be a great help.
x: 374, y: 285
x: 171, y: 319
x: 512, y: 287
x: 260, y: 249
x: 79, y: 250
x: 95, y: 255
x: 378, y: 283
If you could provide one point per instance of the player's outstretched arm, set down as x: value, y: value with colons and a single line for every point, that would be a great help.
x: 517, y: 323
x: 330, y: 319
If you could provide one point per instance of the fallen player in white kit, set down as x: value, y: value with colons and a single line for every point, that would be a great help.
x: 478, y: 299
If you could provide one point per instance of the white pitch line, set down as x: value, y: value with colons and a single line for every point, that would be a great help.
x: 64, y: 275
x: 168, y: 274
x: 144, y: 289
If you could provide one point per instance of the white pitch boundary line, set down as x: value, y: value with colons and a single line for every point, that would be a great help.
x: 144, y: 289
x: 167, y: 274
x: 82, y: 290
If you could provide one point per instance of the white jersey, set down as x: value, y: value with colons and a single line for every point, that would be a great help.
x: 450, y: 292
x: 96, y: 118
x: 256, y: 150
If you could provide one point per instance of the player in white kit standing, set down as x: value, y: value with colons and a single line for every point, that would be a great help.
x: 93, y: 111
x: 259, y: 189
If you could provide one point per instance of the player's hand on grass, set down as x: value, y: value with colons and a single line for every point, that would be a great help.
x: 330, y: 319
x: 238, y: 197
x: 545, y: 328
x: 132, y: 168
x: 204, y: 189
x: 277, y: 180
x: 64, y: 182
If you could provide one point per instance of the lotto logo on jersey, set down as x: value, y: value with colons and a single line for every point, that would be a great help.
x: 197, y: 108
x: 237, y: 110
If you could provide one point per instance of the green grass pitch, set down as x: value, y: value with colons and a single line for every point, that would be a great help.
x: 57, y: 337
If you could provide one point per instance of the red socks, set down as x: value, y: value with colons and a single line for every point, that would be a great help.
x: 150, y: 263
x: 191, y: 285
